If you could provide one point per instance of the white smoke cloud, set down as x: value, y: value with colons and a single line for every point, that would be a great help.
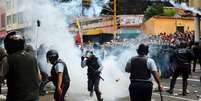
x: 186, y: 7
x: 53, y: 33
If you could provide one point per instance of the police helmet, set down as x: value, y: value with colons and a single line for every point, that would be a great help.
x: 89, y: 54
x: 143, y: 49
x: 52, y: 55
x: 14, y: 42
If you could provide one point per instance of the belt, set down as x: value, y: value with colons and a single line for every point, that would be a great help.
x: 138, y: 80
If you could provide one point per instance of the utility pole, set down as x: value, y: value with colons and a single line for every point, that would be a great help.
x: 115, y: 18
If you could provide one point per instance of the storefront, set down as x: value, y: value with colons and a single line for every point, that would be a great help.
x: 128, y: 33
x: 96, y: 35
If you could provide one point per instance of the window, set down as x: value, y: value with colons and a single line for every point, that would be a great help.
x: 20, y: 18
x: 15, y: 19
x: 8, y: 4
x: 9, y: 20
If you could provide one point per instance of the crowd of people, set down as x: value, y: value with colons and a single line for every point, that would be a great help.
x: 173, y: 38
x: 23, y: 68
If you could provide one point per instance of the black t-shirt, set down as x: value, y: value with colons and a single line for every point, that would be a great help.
x: 22, y: 78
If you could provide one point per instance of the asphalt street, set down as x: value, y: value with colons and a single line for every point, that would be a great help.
x: 194, y: 88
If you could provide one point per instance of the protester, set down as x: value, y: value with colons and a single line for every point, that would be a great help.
x: 59, y: 75
x: 94, y: 70
x: 23, y: 75
x: 140, y: 68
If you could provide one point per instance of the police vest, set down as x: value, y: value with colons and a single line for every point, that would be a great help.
x: 139, y: 69
x: 183, y: 56
x: 54, y: 74
x: 92, y: 65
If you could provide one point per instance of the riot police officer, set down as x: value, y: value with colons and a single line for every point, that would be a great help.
x: 23, y: 75
x: 140, y: 68
x: 59, y: 75
x: 183, y: 57
x: 196, y: 51
x: 94, y: 70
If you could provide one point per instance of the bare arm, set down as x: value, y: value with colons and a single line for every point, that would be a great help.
x: 59, y: 82
x: 157, y: 79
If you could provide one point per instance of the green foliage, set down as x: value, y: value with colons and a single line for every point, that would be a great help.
x: 153, y: 10
x: 169, y: 12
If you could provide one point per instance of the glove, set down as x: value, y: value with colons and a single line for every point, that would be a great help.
x: 82, y: 58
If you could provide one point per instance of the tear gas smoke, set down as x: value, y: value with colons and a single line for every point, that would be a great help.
x: 53, y: 33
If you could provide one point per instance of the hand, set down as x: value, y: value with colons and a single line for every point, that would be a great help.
x: 59, y: 91
x: 82, y: 58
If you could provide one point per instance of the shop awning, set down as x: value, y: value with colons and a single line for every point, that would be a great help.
x: 96, y: 31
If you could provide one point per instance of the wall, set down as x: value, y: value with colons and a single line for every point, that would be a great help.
x: 195, y: 3
x: 148, y: 26
x: 2, y: 19
x: 168, y: 25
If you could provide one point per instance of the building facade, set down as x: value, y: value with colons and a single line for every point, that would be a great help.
x: 195, y: 3
x: 168, y: 25
x: 2, y: 20
x: 14, y: 16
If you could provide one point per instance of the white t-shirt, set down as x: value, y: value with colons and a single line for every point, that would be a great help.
x: 151, y: 65
x: 59, y: 67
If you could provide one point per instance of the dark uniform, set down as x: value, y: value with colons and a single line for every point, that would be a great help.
x: 93, y: 73
x: 65, y: 82
x: 22, y: 78
x: 197, y: 55
x: 23, y: 75
x: 183, y: 57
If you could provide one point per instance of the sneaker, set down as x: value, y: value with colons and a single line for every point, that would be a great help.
x: 170, y: 91
x: 91, y: 94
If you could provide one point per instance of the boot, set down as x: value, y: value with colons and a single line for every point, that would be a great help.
x: 98, y: 95
x: 91, y: 93
x: 172, y: 83
x: 184, y: 88
x: 170, y: 91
